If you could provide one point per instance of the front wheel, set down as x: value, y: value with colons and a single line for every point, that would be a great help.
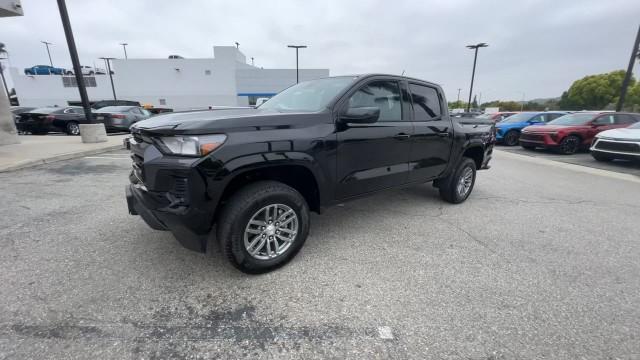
x: 457, y: 187
x: 263, y: 226
x: 569, y: 145
x: 511, y: 138
x: 72, y: 128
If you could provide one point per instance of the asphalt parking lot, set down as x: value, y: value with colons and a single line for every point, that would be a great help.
x: 540, y: 262
x: 582, y: 158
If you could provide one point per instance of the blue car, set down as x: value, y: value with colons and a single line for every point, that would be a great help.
x: 508, y: 130
x: 45, y: 70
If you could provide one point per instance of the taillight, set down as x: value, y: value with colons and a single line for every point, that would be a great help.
x: 118, y: 116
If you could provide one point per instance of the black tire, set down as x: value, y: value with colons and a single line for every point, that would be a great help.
x: 449, y: 185
x: 569, y: 145
x: 601, y: 157
x: 245, y: 205
x: 511, y: 138
x: 72, y: 128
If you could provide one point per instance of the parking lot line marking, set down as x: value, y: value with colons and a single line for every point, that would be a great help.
x: 384, y: 332
x: 567, y: 166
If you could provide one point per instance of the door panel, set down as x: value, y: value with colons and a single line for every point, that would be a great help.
x: 373, y: 156
x: 431, y: 142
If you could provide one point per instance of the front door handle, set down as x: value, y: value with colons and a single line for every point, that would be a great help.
x: 443, y: 134
x: 402, y: 136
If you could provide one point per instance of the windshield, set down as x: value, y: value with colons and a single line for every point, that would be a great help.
x: 573, y: 119
x: 522, y: 117
x: 308, y: 96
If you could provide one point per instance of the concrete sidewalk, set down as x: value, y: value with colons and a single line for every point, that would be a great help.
x: 35, y: 150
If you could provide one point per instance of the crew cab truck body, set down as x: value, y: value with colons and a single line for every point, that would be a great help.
x: 253, y: 175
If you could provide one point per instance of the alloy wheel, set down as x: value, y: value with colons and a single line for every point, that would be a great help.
x: 74, y: 129
x: 570, y: 145
x: 271, y: 231
x: 465, y: 182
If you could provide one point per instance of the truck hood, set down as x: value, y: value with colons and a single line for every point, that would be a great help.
x: 227, y: 120
x: 621, y: 134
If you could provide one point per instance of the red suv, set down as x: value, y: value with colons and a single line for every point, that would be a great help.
x: 572, y: 132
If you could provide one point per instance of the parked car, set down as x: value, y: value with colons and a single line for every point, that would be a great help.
x: 46, y: 70
x: 41, y: 121
x: 103, y: 103
x: 88, y: 70
x: 120, y: 118
x: 17, y: 110
x: 617, y: 144
x: 257, y: 172
x: 508, y: 130
x: 573, y: 132
x: 496, y: 117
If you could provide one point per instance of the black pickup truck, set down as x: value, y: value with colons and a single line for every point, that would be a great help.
x: 255, y: 174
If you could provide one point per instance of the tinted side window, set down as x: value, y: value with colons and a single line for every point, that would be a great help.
x: 624, y: 119
x: 605, y: 120
x: 553, y: 116
x: 385, y: 95
x: 538, y: 118
x: 426, y: 103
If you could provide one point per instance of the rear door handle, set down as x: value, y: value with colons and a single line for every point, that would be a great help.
x: 401, y: 136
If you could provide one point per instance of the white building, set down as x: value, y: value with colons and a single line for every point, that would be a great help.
x: 180, y: 84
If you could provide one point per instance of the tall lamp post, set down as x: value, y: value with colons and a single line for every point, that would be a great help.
x: 124, y: 47
x: 473, y: 73
x: 297, y: 47
x: 71, y: 43
x: 46, y: 44
x: 459, y: 89
x: 107, y: 60
x: 635, y: 54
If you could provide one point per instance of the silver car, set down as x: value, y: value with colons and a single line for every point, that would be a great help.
x: 120, y: 118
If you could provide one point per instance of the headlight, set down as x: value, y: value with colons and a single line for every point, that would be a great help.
x: 194, y: 145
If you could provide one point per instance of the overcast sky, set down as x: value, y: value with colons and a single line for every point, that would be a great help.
x: 536, y: 47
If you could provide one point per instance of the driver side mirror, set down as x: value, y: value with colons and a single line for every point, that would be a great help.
x: 361, y: 115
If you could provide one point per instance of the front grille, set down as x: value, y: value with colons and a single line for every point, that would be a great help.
x: 618, y: 146
x: 531, y: 137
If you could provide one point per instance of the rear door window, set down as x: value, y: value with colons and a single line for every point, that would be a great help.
x: 426, y: 103
x: 623, y: 119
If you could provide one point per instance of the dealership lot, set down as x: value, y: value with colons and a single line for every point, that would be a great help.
x: 540, y: 262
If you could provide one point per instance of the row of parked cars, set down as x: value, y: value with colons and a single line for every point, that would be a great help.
x: 608, y: 135
x: 117, y: 115
x: 52, y: 70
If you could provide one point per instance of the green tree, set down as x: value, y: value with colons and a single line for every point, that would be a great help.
x: 594, y: 92
x: 457, y: 104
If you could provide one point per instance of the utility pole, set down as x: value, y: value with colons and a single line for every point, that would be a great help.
x: 46, y: 44
x: 459, y: 89
x: 107, y: 60
x: 297, y: 47
x: 124, y: 46
x: 68, y: 33
x: 473, y: 73
x: 635, y: 54
x: 522, y: 103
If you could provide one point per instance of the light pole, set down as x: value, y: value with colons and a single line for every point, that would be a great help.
x: 46, y: 44
x: 107, y: 60
x: 297, y: 47
x: 124, y: 46
x: 458, y: 95
x: 237, y: 45
x: 522, y: 102
x: 473, y: 73
x: 71, y: 43
x: 635, y: 54
x: 252, y: 63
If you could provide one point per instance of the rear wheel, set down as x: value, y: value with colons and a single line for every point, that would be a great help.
x: 263, y: 226
x: 601, y: 157
x: 569, y: 145
x: 72, y: 128
x: 457, y: 187
x: 511, y: 138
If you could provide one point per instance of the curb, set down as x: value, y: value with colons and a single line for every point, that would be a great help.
x: 61, y: 157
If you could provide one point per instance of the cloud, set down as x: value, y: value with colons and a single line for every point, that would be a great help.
x: 536, y: 47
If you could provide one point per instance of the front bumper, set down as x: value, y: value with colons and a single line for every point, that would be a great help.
x: 542, y: 140
x: 172, y: 193
x: 618, y: 149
